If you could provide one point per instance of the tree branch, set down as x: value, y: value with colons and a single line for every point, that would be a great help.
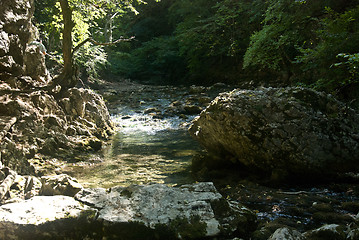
x: 99, y: 43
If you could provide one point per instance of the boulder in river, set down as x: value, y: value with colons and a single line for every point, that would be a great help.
x: 287, y: 234
x: 295, y: 133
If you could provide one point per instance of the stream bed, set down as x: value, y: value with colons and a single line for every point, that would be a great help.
x: 151, y: 145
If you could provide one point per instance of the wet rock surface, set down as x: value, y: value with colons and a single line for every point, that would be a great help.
x: 300, y: 208
x: 293, y: 133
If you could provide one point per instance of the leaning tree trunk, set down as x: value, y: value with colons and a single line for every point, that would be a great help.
x: 68, y: 77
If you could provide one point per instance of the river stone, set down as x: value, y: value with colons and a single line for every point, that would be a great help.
x: 187, y: 212
x: 46, y: 217
x: 286, y: 234
x: 286, y: 132
x: 328, y: 231
x: 61, y: 184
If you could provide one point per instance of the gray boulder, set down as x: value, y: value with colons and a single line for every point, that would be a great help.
x: 286, y: 234
x: 294, y: 132
x: 35, y: 67
x: 329, y: 231
x: 160, y: 212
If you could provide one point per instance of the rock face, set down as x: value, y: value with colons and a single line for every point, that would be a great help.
x: 160, y: 212
x: 138, y: 212
x: 35, y: 66
x: 294, y: 132
x: 16, y: 30
x: 36, y: 124
x: 287, y: 234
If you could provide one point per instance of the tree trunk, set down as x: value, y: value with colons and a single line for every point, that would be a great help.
x: 67, y: 78
x: 109, y: 25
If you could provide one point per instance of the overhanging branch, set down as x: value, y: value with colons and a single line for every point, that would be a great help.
x: 99, y: 43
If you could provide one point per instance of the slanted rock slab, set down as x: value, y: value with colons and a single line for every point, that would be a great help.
x: 46, y: 217
x: 161, y: 212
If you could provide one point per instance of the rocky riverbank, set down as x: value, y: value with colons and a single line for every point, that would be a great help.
x: 278, y: 132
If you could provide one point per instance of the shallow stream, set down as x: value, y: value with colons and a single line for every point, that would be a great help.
x: 152, y: 144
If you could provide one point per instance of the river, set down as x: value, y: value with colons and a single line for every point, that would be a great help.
x: 151, y: 145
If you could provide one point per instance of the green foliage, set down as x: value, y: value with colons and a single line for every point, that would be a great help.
x: 92, y: 59
x: 351, y: 63
x: 338, y: 34
x: 214, y: 34
x: 286, y: 25
x: 48, y: 21
x: 87, y: 16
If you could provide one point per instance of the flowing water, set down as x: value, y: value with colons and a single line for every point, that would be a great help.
x: 148, y: 146
x: 144, y: 151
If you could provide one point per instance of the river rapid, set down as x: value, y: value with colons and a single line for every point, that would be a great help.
x: 151, y: 145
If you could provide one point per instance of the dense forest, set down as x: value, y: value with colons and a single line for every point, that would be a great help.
x: 263, y: 42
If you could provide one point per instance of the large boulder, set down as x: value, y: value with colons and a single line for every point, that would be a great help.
x: 157, y: 211
x: 195, y: 211
x: 286, y: 132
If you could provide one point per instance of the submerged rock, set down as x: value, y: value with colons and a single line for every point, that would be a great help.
x: 289, y: 132
x: 188, y: 212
